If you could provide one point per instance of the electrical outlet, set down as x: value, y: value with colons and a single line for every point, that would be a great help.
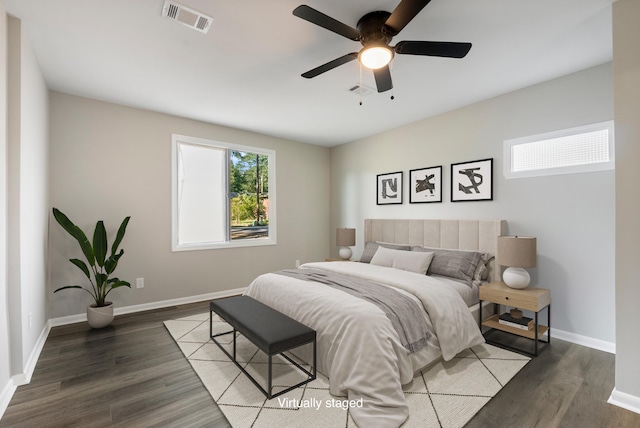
x: 297, y: 263
x: 139, y: 282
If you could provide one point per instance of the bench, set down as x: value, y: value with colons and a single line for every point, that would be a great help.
x: 271, y: 331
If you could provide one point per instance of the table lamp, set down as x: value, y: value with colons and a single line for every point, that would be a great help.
x: 345, y: 238
x: 517, y: 253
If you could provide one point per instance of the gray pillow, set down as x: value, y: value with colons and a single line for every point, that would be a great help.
x: 482, y: 270
x: 453, y: 263
x: 370, y: 249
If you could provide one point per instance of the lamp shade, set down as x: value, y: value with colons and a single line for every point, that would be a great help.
x: 345, y: 237
x: 517, y: 251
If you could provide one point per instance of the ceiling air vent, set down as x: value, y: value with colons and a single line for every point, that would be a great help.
x: 362, y: 90
x: 186, y: 16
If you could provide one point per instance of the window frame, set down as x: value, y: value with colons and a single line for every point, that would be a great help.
x: 572, y: 169
x: 271, y: 239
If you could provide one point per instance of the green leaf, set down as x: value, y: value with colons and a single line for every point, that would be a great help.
x: 85, y: 246
x: 121, y: 230
x: 116, y: 285
x: 64, y: 221
x: 69, y: 286
x: 77, y: 233
x: 83, y: 267
x: 112, y: 262
x: 101, y: 280
x: 120, y: 284
x: 100, y: 243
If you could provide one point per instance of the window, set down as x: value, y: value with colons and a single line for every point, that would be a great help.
x: 583, y: 149
x: 223, y: 195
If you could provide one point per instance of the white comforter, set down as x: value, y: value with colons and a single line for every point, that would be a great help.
x: 358, y: 349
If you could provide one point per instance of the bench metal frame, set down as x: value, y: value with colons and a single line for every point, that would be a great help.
x: 268, y: 391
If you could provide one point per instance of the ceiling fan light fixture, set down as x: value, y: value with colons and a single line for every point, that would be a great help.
x: 375, y: 57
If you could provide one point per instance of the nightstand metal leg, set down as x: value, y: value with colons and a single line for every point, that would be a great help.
x: 536, y: 336
x: 549, y: 323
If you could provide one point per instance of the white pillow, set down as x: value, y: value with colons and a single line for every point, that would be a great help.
x: 417, y: 262
x: 383, y: 257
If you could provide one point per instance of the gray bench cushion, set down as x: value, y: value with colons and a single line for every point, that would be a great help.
x: 270, y: 330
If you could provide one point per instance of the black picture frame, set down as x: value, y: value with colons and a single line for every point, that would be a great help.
x: 389, y: 188
x: 425, y: 185
x: 472, y: 181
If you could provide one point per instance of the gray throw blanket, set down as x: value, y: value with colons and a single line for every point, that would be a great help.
x: 405, y: 315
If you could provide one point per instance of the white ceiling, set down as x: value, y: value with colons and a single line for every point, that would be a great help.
x: 245, y: 73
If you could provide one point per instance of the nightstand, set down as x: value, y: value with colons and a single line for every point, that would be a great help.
x: 530, y: 299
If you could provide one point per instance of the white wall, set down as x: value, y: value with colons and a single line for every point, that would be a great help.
x: 626, y: 65
x: 571, y: 215
x: 34, y: 196
x: 26, y: 192
x: 5, y: 357
x: 110, y: 161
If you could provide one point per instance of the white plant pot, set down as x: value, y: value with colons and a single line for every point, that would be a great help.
x: 100, y: 316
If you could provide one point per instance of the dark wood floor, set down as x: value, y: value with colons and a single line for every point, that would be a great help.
x: 132, y: 374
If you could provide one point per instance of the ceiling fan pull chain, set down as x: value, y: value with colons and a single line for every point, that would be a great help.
x: 390, y: 70
x: 360, y: 85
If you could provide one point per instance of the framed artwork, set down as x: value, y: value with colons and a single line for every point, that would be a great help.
x: 389, y: 188
x: 472, y: 181
x: 425, y: 185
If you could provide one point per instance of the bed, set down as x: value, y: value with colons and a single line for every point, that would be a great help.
x: 362, y: 347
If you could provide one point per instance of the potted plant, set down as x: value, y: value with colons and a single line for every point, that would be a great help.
x: 98, y: 268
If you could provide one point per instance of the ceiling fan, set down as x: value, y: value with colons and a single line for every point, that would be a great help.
x: 375, y: 31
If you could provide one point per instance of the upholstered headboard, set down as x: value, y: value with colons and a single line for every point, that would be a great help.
x: 475, y: 235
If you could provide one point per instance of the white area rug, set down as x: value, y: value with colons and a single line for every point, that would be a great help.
x: 446, y: 394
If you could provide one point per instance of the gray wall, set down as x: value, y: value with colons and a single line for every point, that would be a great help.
x: 626, y: 62
x: 571, y: 215
x: 110, y: 161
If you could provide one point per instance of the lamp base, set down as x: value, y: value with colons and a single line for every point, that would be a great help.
x: 345, y: 253
x: 516, y: 277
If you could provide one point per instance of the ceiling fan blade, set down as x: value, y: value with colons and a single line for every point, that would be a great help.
x: 325, y: 21
x: 383, y: 78
x: 330, y: 65
x: 444, y: 49
x: 404, y: 13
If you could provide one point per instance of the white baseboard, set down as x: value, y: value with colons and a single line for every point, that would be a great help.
x: 624, y: 400
x: 72, y: 319
x: 25, y: 377
x: 5, y: 395
x: 589, y: 342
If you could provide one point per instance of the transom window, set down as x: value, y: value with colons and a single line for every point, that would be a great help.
x: 223, y: 195
x: 583, y: 149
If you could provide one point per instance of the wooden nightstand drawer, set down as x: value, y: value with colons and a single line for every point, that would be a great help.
x: 531, y: 299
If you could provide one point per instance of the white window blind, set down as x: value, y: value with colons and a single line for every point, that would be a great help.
x: 201, y: 194
x: 583, y: 149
